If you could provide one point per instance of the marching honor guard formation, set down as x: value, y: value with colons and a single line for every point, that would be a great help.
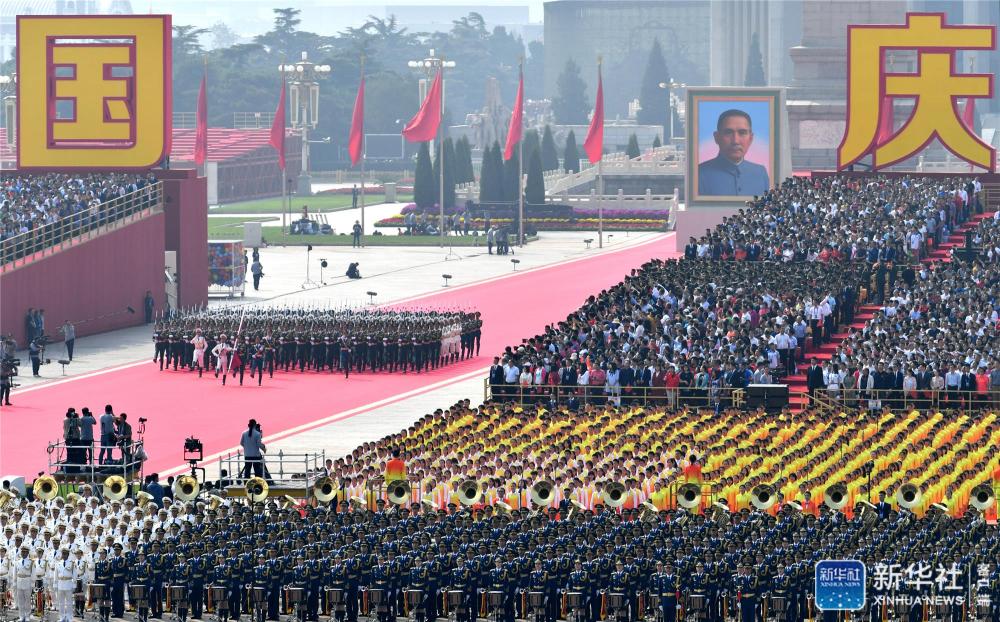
x: 228, y: 341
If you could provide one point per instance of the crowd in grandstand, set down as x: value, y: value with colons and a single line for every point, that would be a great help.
x: 29, y: 202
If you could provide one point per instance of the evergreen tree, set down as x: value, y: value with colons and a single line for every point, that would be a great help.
x: 465, y: 163
x: 632, y: 151
x: 550, y: 157
x: 449, y: 173
x: 534, y: 187
x: 570, y: 103
x: 654, y: 100
x: 511, y: 185
x: 460, y: 161
x: 571, y: 155
x: 532, y: 143
x: 424, y: 188
x: 490, y: 177
x: 755, y: 64
x: 656, y: 141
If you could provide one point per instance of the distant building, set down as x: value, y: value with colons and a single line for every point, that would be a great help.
x: 777, y: 24
x: 622, y: 32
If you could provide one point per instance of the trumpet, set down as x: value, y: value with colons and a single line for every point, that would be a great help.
x: 982, y: 497
x: 115, y: 488
x: 256, y: 489
x: 614, y: 494
x: 186, y: 488
x: 325, y: 490
x: 909, y: 496
x: 689, y: 496
x: 541, y: 493
x: 45, y: 488
x: 835, y: 496
x: 469, y: 492
x: 398, y: 491
x: 763, y: 497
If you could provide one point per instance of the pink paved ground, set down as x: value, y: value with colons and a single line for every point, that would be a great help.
x: 179, y: 405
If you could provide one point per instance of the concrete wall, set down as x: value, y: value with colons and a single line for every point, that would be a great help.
x: 90, y: 284
x: 186, y: 208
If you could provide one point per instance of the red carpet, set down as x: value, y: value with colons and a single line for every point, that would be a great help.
x: 179, y: 405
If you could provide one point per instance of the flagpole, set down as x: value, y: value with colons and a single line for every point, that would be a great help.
x: 203, y: 167
x: 600, y: 180
x: 441, y: 157
x: 362, y: 162
x: 520, y: 173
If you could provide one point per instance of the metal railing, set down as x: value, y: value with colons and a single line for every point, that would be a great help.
x: 84, y: 225
x: 296, y: 471
x: 252, y: 120
x: 712, y: 397
x: 898, y: 400
x: 81, y: 461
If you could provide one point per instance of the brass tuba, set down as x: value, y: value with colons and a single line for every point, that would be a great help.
x: 469, y: 492
x: 45, y: 488
x: 5, y: 499
x: 835, y: 496
x: 649, y: 513
x: 909, y: 496
x: 982, y: 497
x: 398, y: 491
x: 614, y: 494
x: 214, y: 501
x: 255, y: 489
x: 142, y: 498
x: 689, y: 496
x: 325, y: 490
x: 542, y: 493
x: 115, y: 488
x: 73, y: 498
x: 186, y: 488
x: 763, y: 497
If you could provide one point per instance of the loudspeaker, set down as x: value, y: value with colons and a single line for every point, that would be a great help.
x: 771, y: 397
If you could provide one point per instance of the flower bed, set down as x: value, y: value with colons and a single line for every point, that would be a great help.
x: 369, y: 189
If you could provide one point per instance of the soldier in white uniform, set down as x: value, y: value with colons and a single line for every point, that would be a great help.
x: 83, y: 578
x: 24, y: 576
x: 6, y: 576
x: 65, y: 583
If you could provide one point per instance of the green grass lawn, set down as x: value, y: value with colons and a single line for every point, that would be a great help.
x: 231, y: 228
x: 273, y: 238
x: 319, y: 203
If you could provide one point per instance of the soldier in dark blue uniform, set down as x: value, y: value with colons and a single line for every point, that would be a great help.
x: 461, y: 580
x: 198, y: 565
x: 579, y: 581
x: 541, y: 581
x: 104, y: 575
x: 748, y: 593
x: 352, y: 579
x: 156, y: 574
x: 221, y: 575
x: 275, y: 573
x: 180, y: 575
x: 500, y: 581
x: 417, y: 580
x: 664, y: 589
x: 619, y: 583
x: 140, y: 574
x: 119, y: 574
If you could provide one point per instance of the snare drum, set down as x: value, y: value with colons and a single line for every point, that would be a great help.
x: 414, y: 598
x: 220, y: 597
x: 136, y: 593
x: 78, y: 594
x: 536, y: 600
x: 259, y: 595
x: 295, y: 595
x: 455, y: 598
x: 616, y: 601
x: 375, y: 596
x: 96, y: 591
x: 779, y: 605
x: 334, y: 595
x: 178, y: 594
x: 574, y: 600
x: 495, y: 599
x: 696, y: 602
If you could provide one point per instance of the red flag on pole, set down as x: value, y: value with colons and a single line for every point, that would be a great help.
x: 594, y: 143
x: 201, y: 133
x: 278, y: 128
x: 886, y: 122
x: 516, y: 122
x: 354, y: 142
x: 424, y: 125
x: 969, y: 114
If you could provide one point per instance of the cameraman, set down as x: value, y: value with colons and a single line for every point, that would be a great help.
x: 7, y: 372
x: 35, y: 349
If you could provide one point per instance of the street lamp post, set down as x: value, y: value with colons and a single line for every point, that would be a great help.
x: 303, y: 85
x: 670, y: 101
x: 430, y: 66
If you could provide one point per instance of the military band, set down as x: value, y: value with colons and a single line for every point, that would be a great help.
x: 229, y: 341
x: 306, y: 562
